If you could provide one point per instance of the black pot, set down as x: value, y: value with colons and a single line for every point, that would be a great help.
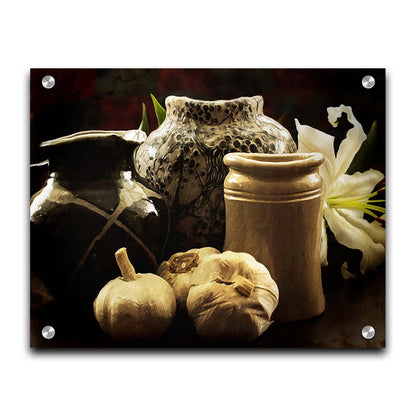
x: 89, y: 207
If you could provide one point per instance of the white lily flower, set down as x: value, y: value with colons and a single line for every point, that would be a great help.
x: 346, y: 197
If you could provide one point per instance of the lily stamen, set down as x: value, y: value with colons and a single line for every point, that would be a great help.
x: 358, y: 203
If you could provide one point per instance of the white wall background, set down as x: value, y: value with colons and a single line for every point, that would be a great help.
x: 207, y: 34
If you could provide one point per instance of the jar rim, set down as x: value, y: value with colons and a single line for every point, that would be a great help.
x: 266, y: 164
x: 131, y: 136
x: 99, y: 154
x: 256, y: 99
x: 185, y: 109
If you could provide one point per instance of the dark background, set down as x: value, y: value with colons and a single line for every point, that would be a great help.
x: 84, y: 99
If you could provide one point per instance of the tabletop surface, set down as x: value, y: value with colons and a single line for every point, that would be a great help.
x: 350, y: 305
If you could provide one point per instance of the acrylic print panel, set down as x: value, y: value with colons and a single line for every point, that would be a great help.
x: 236, y: 208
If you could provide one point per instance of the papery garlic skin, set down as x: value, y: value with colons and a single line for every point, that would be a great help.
x: 220, y: 310
x: 135, y: 305
x: 179, y: 270
x: 141, y: 308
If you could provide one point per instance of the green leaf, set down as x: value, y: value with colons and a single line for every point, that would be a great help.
x: 281, y: 119
x: 144, y: 125
x: 159, y: 110
x: 365, y: 156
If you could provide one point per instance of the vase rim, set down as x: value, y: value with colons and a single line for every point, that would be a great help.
x: 131, y: 136
x: 288, y: 163
x: 184, y: 109
x: 184, y: 99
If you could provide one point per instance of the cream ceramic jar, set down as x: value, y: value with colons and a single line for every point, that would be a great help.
x: 273, y: 207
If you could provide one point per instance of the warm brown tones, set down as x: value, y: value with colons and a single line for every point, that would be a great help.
x: 274, y: 212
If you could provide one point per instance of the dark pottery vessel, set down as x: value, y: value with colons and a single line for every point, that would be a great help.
x: 89, y: 207
x: 182, y: 160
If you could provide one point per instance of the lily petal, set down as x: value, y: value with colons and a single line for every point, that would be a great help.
x: 352, y: 142
x: 313, y: 140
x: 353, y: 234
x: 356, y: 185
x: 374, y: 229
x: 323, y: 254
x: 347, y: 274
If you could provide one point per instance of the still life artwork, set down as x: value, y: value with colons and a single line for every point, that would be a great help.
x: 207, y: 208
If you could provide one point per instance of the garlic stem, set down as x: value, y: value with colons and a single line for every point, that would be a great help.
x: 243, y: 285
x: 127, y: 269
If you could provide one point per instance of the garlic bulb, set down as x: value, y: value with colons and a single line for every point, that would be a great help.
x: 237, y: 301
x: 179, y: 270
x: 134, y: 306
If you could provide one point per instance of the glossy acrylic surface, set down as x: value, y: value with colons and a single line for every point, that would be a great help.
x: 111, y: 100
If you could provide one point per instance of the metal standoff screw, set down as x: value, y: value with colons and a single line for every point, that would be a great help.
x: 48, y: 332
x: 48, y: 82
x: 368, y: 332
x: 368, y: 81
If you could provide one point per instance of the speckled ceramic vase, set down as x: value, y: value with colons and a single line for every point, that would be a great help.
x: 274, y: 212
x: 89, y: 207
x: 182, y: 160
